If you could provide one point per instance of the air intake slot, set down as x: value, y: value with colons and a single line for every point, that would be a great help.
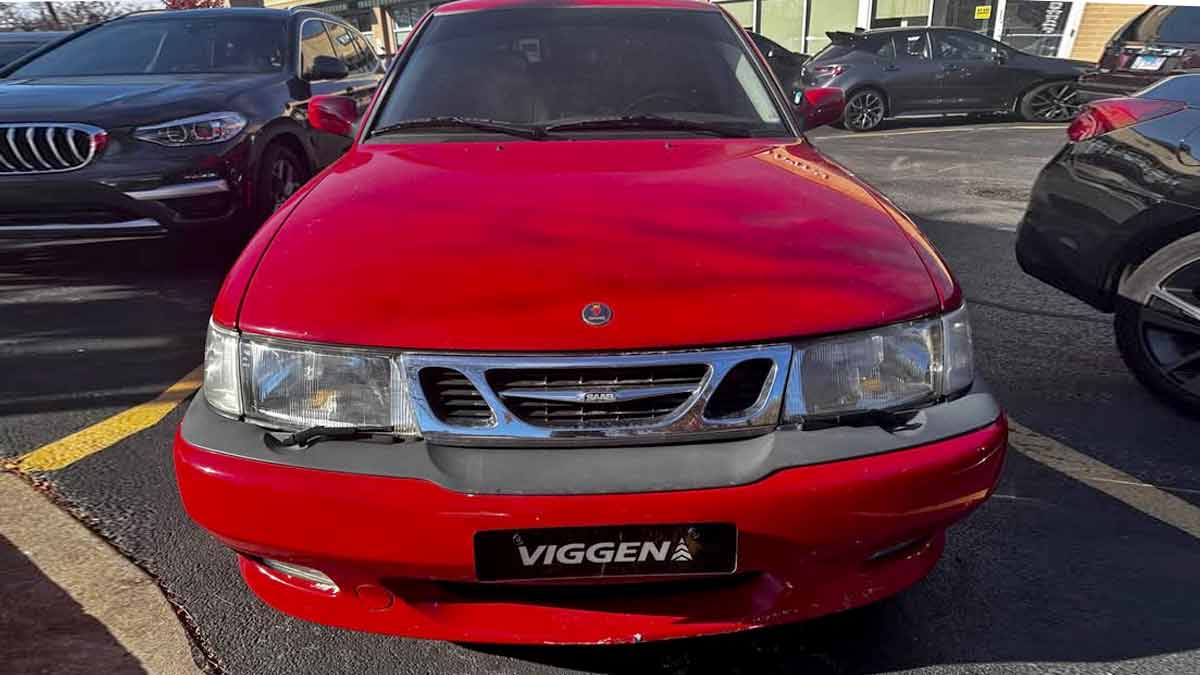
x: 454, y: 400
x: 742, y: 387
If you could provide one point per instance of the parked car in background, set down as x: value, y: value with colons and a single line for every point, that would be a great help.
x: 680, y: 374
x: 1115, y: 221
x: 784, y: 62
x: 172, y: 122
x: 896, y: 72
x: 14, y: 45
x: 1160, y: 42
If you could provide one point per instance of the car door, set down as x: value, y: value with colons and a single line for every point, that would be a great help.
x: 909, y: 74
x: 360, y: 61
x: 972, y: 74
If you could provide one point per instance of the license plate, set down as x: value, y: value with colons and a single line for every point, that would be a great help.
x: 609, y: 551
x: 1148, y: 62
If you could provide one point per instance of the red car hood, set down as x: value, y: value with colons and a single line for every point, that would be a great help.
x: 475, y: 246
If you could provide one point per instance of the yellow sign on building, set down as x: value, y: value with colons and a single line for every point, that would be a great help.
x: 983, y: 12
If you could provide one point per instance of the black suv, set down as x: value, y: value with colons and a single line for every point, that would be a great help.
x: 167, y: 122
x: 1159, y: 42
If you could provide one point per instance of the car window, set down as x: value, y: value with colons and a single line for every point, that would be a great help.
x: 370, y: 60
x: 536, y: 65
x: 912, y: 47
x: 1166, y: 24
x: 162, y: 46
x: 314, y: 42
x: 963, y: 47
x: 11, y: 50
x: 347, y: 49
x: 886, y: 51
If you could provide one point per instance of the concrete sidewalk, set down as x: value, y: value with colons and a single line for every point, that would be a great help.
x: 69, y: 603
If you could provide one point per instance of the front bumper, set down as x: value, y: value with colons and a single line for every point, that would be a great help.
x: 130, y: 190
x: 814, y: 538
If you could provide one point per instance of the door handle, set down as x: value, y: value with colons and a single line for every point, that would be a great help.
x: 950, y: 67
x: 891, y: 67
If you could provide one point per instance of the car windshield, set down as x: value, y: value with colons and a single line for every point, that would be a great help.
x: 1168, y: 24
x: 169, y: 45
x: 11, y: 50
x: 540, y: 67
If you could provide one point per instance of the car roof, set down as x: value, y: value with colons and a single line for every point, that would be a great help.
x: 479, y: 5
x: 33, y: 36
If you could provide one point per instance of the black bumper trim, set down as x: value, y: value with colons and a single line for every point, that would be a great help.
x: 608, y: 470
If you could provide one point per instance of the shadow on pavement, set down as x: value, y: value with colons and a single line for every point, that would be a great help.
x: 43, y: 630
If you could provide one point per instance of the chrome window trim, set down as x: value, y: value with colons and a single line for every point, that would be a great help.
x: 11, y: 129
x: 687, y: 422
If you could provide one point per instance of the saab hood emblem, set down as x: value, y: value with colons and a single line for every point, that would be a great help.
x: 597, y: 314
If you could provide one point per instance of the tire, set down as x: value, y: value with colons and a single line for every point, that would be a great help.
x: 280, y: 173
x: 1158, y: 324
x: 1051, y: 102
x: 865, y: 110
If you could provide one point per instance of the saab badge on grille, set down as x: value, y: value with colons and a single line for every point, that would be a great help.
x: 597, y: 314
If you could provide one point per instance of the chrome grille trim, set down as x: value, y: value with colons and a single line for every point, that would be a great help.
x: 687, y: 422
x: 47, y: 147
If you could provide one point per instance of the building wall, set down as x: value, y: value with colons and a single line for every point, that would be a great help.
x: 1100, y: 20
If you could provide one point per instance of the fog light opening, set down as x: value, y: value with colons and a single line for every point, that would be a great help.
x: 315, y: 578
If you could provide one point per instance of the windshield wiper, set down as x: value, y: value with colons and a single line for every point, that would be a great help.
x: 656, y: 122
x: 313, y: 435
x: 532, y: 133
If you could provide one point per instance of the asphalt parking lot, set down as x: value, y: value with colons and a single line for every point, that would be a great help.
x: 1084, y: 562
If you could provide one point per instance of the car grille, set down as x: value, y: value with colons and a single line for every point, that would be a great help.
x: 576, y: 400
x: 48, y: 148
x: 547, y: 396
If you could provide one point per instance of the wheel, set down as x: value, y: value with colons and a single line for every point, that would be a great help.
x: 865, y: 110
x: 1158, y: 323
x: 280, y: 173
x: 1050, y: 102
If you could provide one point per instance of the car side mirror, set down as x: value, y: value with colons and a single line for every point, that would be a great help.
x: 1000, y: 57
x: 333, y: 114
x: 818, y: 106
x: 327, y: 68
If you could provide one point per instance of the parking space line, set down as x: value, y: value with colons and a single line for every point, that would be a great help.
x: 66, y: 451
x: 1115, y: 483
x: 913, y: 132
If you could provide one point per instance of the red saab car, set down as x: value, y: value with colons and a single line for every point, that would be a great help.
x: 584, y: 342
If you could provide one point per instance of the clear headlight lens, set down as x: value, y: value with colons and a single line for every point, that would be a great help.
x: 198, y: 130
x: 284, y: 385
x: 894, y: 367
x: 222, y: 384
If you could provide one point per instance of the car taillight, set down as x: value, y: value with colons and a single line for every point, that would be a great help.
x: 1102, y: 117
x: 828, y: 71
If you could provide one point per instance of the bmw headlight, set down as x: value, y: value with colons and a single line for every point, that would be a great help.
x: 287, y: 385
x: 199, y: 130
x: 896, y: 367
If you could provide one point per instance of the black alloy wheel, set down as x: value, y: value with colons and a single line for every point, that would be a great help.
x: 281, y: 173
x: 864, y: 111
x: 1159, y: 337
x: 1052, y: 102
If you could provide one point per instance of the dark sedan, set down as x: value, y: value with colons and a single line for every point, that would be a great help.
x: 1115, y: 221
x: 16, y: 45
x: 899, y: 72
x: 172, y: 122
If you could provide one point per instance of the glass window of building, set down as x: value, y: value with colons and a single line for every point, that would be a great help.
x: 1035, y: 26
x: 898, y: 13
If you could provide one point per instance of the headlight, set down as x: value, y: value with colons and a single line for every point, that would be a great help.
x: 285, y: 385
x: 894, y: 367
x: 198, y: 130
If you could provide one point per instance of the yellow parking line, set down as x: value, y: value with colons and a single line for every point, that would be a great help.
x: 67, y: 451
x: 1148, y: 499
